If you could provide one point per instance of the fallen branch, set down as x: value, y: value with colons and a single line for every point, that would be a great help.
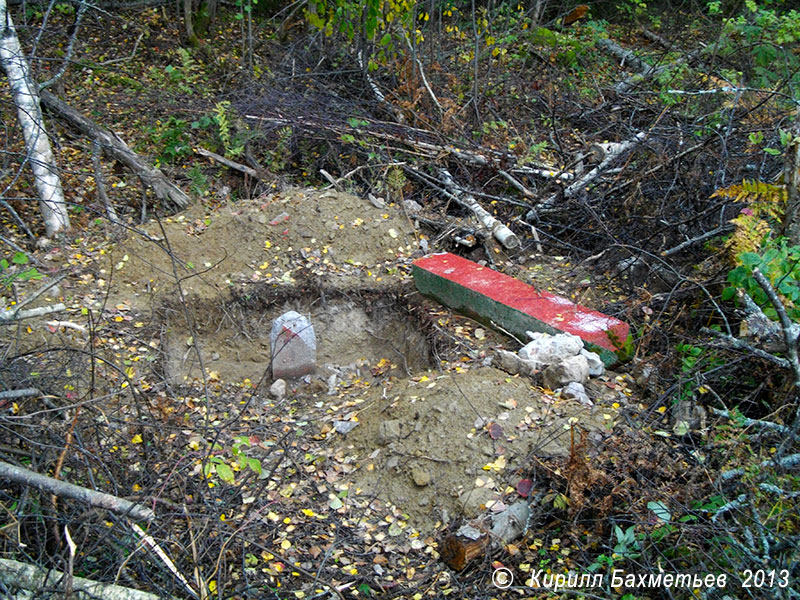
x: 76, y: 492
x: 66, y: 325
x: 626, y: 57
x: 31, y: 577
x: 610, y: 152
x: 702, y: 237
x: 229, y: 163
x: 481, y: 157
x: 22, y: 393
x: 503, y: 234
x: 738, y: 344
x: 11, y: 315
x: 747, y: 422
x: 32, y: 296
x: 150, y: 176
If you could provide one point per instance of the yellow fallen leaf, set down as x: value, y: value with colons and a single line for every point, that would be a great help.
x: 137, y: 439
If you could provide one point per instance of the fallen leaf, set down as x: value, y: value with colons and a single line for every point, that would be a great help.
x: 524, y: 487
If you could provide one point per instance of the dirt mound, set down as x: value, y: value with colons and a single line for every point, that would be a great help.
x: 447, y: 444
x: 334, y: 236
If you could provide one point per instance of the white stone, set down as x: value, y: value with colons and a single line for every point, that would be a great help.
x: 596, y: 366
x: 278, y: 389
x: 571, y: 368
x: 576, y: 391
x: 545, y: 349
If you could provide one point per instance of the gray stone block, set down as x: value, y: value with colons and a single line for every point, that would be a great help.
x: 294, y: 346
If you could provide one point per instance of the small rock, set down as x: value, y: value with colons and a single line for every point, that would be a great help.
x: 376, y: 201
x: 576, y: 391
x: 475, y: 501
x: 421, y: 476
x: 388, y: 431
x: 344, y: 427
x: 392, y: 462
x: 332, y: 385
x: 596, y: 366
x: 278, y: 389
x: 572, y: 368
x: 411, y: 207
x: 215, y: 356
x: 513, y: 364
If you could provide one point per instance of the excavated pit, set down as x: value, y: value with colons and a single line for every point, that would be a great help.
x: 353, y: 329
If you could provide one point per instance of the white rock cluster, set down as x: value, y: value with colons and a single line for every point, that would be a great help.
x: 565, y: 364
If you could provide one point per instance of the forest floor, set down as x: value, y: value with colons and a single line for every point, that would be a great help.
x: 156, y: 377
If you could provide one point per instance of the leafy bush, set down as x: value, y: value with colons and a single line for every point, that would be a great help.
x: 780, y: 263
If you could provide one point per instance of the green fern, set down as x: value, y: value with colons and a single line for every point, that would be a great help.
x: 766, y: 206
x: 232, y: 145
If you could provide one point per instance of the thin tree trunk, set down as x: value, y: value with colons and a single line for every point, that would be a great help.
x: 45, y: 173
x: 188, y: 16
x: 791, y: 178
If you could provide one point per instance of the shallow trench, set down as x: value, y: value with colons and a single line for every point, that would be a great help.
x: 353, y: 329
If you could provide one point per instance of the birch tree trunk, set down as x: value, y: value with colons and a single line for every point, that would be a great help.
x: 29, y: 113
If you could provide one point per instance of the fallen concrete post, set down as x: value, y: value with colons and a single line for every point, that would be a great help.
x: 516, y: 307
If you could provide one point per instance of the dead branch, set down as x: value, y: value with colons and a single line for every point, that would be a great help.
x: 31, y: 577
x: 76, y: 492
x: 633, y: 62
x: 482, y: 157
x: 150, y: 176
x: 790, y: 330
x: 11, y: 315
x: 22, y: 393
x: 700, y: 238
x: 610, y: 152
x: 229, y: 163
x: 502, y: 233
x: 31, y: 297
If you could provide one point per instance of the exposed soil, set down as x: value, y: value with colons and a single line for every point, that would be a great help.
x: 434, y: 432
x: 431, y: 445
x: 338, y: 238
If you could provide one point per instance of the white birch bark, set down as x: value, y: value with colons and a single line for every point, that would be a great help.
x: 39, y: 154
